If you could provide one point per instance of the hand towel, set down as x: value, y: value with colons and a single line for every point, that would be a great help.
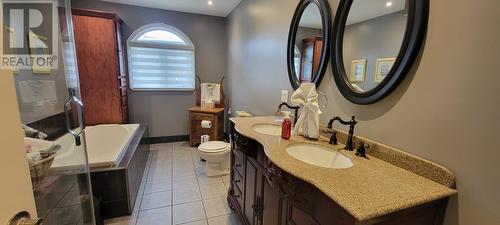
x: 33, y: 157
x: 32, y: 133
x: 308, y: 121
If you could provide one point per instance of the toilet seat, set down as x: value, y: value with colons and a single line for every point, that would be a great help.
x: 213, y: 147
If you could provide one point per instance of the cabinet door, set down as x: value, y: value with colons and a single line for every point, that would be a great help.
x: 251, y: 191
x: 271, y: 205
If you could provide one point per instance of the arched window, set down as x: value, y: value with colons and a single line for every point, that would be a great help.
x: 160, y: 58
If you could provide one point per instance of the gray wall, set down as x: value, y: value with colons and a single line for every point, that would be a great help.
x: 373, y: 39
x: 445, y: 110
x: 33, y: 112
x: 166, y: 112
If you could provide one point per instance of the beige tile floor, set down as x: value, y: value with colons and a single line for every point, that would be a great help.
x: 176, y: 190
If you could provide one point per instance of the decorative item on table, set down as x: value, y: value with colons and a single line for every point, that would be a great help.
x: 210, y: 92
x: 286, y: 126
x: 243, y: 114
x: 207, y: 104
x: 307, y: 124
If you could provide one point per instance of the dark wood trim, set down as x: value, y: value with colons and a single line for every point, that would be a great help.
x: 326, y: 17
x: 96, y: 13
x: 418, y: 14
x: 168, y: 139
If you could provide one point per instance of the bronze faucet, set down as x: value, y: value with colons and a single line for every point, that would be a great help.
x: 349, y: 145
x: 295, y: 108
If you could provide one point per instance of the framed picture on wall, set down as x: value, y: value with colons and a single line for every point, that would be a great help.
x: 358, y: 70
x: 12, y: 35
x: 383, y: 68
x: 34, y: 44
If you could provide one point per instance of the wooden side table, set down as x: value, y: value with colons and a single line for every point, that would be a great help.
x: 196, y: 115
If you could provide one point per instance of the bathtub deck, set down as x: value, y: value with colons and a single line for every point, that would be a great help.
x: 118, y: 186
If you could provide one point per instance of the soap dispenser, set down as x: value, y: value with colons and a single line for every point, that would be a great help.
x: 286, y: 127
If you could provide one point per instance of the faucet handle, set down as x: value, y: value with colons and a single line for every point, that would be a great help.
x: 333, y: 138
x: 361, y: 151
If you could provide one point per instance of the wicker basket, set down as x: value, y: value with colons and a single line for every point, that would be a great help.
x: 40, y: 169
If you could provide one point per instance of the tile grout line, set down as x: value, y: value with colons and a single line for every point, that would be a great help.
x: 198, y: 183
x: 172, y: 184
x: 144, y: 189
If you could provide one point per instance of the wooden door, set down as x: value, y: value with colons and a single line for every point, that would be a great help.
x: 97, y: 55
x: 16, y: 193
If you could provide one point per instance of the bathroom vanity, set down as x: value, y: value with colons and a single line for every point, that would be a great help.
x: 269, y: 186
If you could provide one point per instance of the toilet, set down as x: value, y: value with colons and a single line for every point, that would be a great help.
x: 217, y: 154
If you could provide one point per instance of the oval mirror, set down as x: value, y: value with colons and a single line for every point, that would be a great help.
x: 308, y: 42
x: 375, y: 45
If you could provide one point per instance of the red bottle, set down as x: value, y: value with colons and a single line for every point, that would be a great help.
x: 286, y: 127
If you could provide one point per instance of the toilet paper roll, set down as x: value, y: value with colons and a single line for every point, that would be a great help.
x: 206, y: 124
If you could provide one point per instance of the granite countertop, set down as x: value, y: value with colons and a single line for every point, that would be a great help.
x: 369, y: 189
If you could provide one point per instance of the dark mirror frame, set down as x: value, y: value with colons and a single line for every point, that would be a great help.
x: 326, y: 19
x: 416, y: 27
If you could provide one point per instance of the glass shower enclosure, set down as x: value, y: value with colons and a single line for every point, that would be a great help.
x: 52, y: 110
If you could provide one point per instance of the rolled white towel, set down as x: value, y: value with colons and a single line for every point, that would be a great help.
x: 33, y: 157
x: 32, y: 133
x: 41, y: 146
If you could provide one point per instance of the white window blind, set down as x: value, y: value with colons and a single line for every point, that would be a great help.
x: 161, y: 58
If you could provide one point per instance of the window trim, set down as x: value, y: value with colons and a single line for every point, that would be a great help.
x: 133, y: 42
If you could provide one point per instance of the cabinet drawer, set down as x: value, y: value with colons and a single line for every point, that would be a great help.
x: 237, y: 179
x: 238, y: 164
x: 202, y: 116
x: 238, y: 196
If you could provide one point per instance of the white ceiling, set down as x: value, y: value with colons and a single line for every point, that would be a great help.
x: 311, y: 17
x: 362, y: 10
x: 218, y: 8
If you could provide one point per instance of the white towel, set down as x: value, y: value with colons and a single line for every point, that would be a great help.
x: 43, y: 147
x: 308, y: 122
x: 32, y: 133
x: 33, y: 157
x: 210, y: 92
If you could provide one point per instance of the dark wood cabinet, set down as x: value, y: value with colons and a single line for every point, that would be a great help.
x: 263, y: 194
x: 101, y: 66
x: 310, y: 57
x: 196, y: 115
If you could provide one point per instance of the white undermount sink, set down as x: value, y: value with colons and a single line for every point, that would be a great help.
x: 268, y: 129
x: 319, y: 156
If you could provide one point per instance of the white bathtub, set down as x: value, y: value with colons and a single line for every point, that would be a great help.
x: 106, y: 145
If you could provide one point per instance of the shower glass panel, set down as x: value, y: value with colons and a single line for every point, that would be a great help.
x: 52, y: 115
